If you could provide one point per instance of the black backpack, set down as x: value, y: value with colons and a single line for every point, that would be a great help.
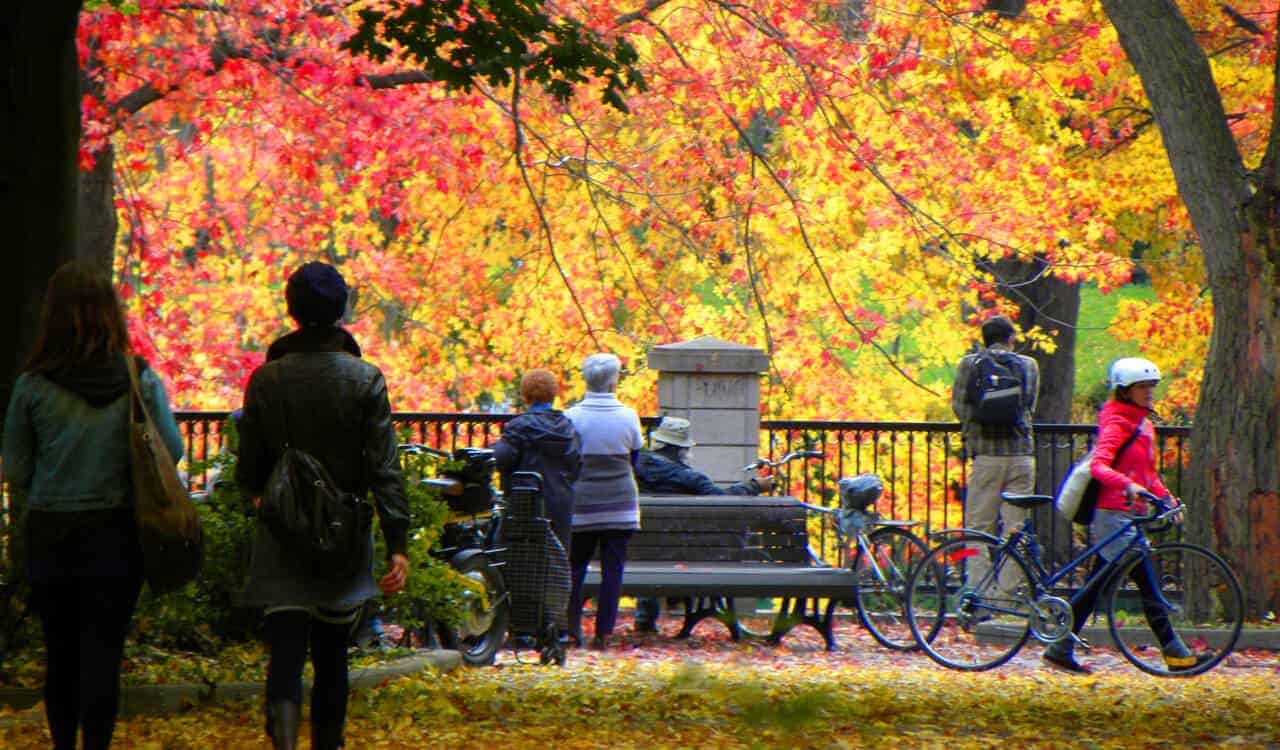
x: 322, y: 525
x: 997, y: 389
x: 325, y: 527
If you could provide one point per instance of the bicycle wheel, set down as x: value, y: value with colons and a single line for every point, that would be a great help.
x: 881, y: 588
x: 483, y: 626
x: 985, y: 615
x: 1196, y: 594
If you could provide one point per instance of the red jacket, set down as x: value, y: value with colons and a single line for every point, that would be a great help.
x: 1116, y: 422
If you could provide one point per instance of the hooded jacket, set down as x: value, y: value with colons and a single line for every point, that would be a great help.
x: 66, y: 436
x: 66, y: 449
x: 545, y: 441
x: 1116, y: 422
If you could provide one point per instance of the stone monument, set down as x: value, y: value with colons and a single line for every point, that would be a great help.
x: 715, y: 384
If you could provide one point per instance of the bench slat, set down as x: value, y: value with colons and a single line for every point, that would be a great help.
x: 754, y: 515
x: 648, y: 524
x: 737, y: 539
x: 734, y: 579
x: 757, y: 501
x: 719, y: 554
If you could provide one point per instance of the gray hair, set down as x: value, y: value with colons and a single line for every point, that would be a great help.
x: 601, y: 372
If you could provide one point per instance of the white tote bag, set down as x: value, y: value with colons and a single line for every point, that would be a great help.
x: 1072, y: 490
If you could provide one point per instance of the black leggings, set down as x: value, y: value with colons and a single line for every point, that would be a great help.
x: 1152, y: 604
x: 288, y: 633
x: 85, y: 621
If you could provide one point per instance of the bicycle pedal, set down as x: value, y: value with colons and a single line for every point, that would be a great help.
x: 1082, y: 642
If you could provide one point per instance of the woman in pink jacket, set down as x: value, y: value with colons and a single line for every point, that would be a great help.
x: 1124, y: 463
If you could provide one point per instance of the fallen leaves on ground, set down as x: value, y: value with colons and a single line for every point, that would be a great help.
x: 709, y: 692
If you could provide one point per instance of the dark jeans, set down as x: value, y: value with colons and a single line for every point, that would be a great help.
x: 288, y: 634
x: 613, y: 557
x: 85, y: 621
x: 1152, y: 605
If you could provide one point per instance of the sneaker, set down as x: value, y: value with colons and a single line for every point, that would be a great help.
x: 1178, y: 663
x: 601, y: 642
x: 1066, y: 663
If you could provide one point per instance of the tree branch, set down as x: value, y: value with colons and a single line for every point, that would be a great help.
x: 542, y: 216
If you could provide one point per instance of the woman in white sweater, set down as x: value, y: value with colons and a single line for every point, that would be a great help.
x: 606, y: 507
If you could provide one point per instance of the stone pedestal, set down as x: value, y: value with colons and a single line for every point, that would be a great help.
x: 714, y: 384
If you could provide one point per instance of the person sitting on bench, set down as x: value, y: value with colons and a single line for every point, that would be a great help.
x: 665, y: 470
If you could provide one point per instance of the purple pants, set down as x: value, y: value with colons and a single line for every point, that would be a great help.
x: 613, y: 556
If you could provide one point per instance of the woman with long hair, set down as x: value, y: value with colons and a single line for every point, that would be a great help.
x: 66, y: 453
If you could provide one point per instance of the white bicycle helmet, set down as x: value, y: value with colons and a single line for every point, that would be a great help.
x: 1129, y: 370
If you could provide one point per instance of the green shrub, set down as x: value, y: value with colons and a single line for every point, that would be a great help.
x: 434, y: 590
x: 203, y: 617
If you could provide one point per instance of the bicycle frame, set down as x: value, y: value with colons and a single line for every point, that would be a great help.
x: 1044, y: 581
x: 860, y: 540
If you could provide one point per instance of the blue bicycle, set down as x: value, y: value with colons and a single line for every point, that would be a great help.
x: 1180, y: 591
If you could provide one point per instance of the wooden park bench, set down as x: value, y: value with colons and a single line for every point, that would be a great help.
x: 708, y: 550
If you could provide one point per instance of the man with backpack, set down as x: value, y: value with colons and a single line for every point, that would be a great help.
x: 994, y: 396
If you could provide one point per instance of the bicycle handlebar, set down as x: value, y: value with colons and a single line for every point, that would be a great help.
x: 418, y: 449
x: 1163, y: 509
x: 761, y: 463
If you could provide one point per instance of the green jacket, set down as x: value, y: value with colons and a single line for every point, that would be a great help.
x: 69, y: 455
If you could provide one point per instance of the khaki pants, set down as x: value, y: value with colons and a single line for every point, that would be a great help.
x: 988, y: 477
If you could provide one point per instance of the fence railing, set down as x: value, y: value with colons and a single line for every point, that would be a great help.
x: 921, y: 463
x: 924, y: 471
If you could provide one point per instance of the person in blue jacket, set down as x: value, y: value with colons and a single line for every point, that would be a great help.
x: 66, y: 451
x: 542, y: 439
x: 665, y: 470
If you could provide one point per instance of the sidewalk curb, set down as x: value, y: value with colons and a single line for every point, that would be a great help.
x: 166, y: 699
x: 1266, y: 639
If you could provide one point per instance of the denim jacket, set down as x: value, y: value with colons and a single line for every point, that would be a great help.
x: 69, y: 456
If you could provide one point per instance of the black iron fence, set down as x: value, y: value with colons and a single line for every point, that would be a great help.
x: 921, y: 463
x: 925, y: 472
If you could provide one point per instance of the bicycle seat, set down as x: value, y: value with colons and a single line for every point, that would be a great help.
x: 1025, y: 501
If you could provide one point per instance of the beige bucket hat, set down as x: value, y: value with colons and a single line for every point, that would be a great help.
x: 673, y: 431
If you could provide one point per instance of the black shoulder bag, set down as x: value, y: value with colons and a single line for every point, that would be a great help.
x: 306, y: 511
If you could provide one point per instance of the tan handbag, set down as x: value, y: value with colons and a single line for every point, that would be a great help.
x: 168, y: 522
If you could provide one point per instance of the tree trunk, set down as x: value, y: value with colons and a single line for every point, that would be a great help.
x: 1232, y: 483
x: 1053, y: 304
x: 39, y: 141
x: 98, y: 222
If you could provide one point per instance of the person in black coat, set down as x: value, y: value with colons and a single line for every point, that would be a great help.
x: 542, y: 439
x: 666, y: 470
x: 316, y: 394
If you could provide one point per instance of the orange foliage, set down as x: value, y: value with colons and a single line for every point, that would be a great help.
x: 814, y: 179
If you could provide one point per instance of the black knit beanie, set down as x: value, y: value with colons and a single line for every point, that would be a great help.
x: 316, y: 294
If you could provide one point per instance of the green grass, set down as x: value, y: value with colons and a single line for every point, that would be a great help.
x: 1096, y: 349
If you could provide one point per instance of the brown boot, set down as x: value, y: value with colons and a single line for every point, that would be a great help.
x: 326, y: 736
x: 283, y: 718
